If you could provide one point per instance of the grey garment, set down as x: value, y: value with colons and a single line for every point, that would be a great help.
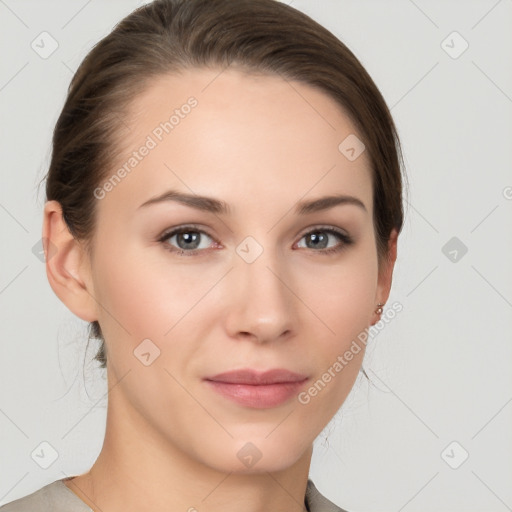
x: 54, y: 497
x: 57, y: 497
x: 316, y: 502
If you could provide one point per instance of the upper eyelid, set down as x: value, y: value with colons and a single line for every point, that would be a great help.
x: 190, y: 227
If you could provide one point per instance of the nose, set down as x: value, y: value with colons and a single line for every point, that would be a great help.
x: 262, y: 306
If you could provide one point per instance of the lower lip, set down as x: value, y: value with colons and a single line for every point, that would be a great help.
x: 261, y: 396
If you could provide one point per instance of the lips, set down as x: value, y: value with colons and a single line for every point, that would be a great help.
x: 253, y: 377
x: 258, y: 390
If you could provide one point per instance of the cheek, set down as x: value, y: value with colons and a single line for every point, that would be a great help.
x: 144, y: 295
x: 342, y: 297
x: 343, y: 294
x: 339, y: 351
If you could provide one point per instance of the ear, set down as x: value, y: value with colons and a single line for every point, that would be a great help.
x: 67, y: 265
x: 386, y: 274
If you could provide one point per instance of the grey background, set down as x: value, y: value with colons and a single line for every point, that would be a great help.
x: 441, y: 370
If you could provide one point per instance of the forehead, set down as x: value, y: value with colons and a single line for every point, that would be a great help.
x: 235, y: 133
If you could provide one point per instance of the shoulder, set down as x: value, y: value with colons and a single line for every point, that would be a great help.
x: 317, y: 502
x: 54, y: 497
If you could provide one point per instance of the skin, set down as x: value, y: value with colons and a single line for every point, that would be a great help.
x: 260, y: 145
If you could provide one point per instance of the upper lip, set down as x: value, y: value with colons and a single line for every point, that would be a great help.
x: 249, y: 376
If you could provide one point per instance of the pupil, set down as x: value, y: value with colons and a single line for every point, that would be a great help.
x: 189, y: 238
x: 319, y: 239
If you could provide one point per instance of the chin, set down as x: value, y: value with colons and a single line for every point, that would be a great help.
x: 256, y: 455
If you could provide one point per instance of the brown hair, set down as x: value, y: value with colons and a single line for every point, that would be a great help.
x: 166, y: 36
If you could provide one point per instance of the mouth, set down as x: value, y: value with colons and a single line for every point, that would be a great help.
x: 259, y: 390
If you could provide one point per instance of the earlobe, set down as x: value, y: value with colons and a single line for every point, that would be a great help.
x: 67, y: 266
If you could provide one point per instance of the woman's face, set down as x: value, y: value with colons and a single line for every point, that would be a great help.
x: 260, y: 285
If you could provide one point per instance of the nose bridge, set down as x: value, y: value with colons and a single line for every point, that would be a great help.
x: 262, y: 304
x: 263, y: 278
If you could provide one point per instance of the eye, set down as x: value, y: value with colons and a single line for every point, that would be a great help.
x: 190, y: 240
x: 319, y: 239
x: 187, y: 240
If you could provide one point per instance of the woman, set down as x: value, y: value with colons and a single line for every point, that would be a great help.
x: 223, y: 205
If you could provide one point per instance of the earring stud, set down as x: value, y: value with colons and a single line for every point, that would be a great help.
x: 379, y: 309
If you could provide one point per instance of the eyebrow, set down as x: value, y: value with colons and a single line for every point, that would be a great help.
x: 217, y: 206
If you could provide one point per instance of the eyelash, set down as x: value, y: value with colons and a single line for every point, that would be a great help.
x: 346, y: 240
